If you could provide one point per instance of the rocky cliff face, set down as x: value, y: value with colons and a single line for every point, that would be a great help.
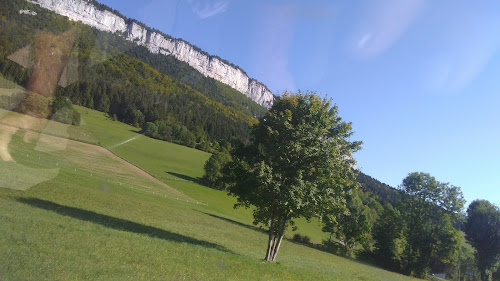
x: 86, y: 12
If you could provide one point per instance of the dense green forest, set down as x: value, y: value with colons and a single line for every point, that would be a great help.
x: 137, y: 94
x: 99, y: 75
x: 210, y: 87
x: 381, y: 192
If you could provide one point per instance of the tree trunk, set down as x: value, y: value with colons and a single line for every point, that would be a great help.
x: 486, y: 275
x: 274, y: 242
x: 277, y: 246
x: 270, y: 241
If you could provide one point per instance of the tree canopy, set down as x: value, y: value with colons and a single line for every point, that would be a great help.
x: 389, y: 240
x: 213, y: 169
x: 429, y: 207
x: 349, y: 227
x: 482, y: 229
x: 298, y: 164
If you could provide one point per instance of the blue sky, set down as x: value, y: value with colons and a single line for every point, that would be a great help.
x: 419, y: 79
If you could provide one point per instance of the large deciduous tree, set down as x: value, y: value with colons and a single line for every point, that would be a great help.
x: 389, y: 240
x: 482, y: 229
x: 298, y: 164
x: 349, y: 227
x: 428, y: 210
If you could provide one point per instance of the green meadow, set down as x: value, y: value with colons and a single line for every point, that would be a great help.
x: 71, y: 210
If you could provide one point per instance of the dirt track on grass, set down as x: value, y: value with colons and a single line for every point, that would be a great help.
x: 93, y: 158
x: 134, y: 170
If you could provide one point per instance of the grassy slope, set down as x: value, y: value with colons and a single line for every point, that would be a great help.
x: 88, y: 224
x: 176, y: 165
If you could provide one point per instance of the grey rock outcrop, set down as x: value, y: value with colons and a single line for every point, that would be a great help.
x: 156, y: 42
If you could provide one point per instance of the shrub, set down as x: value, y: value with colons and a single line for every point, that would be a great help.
x: 301, y: 238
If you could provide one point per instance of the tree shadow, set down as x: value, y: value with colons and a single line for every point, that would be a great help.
x: 117, y: 223
x: 251, y: 227
x: 186, y: 178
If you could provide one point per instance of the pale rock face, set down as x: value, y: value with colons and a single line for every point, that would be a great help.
x: 27, y: 12
x: 81, y: 10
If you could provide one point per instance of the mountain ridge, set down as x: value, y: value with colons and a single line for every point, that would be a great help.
x: 104, y: 18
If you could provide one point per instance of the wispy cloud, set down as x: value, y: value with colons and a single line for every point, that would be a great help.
x: 206, y: 8
x: 385, y: 22
x: 457, y: 58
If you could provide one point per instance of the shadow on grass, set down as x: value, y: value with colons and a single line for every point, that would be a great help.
x: 251, y: 227
x: 184, y: 177
x: 117, y: 223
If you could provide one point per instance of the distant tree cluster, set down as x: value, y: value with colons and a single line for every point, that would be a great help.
x: 290, y: 169
x: 58, y: 109
x: 173, y: 132
x: 213, y: 169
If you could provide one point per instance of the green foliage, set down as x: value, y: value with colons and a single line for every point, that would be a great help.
x: 170, y: 131
x: 11, y: 102
x: 59, y: 109
x: 27, y: 103
x: 380, y: 192
x: 482, y: 230
x: 466, y: 266
x: 389, y: 240
x: 34, y: 105
x: 209, y: 87
x: 213, y: 170
x: 304, y: 239
x: 138, y: 94
x: 427, y: 211
x: 18, y: 30
x: 350, y: 227
x: 63, y: 111
x: 298, y: 164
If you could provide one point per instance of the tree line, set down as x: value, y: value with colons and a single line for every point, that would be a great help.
x: 299, y: 164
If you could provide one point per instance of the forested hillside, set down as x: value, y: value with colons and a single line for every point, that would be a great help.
x: 103, y: 72
x: 381, y: 192
x: 210, y: 87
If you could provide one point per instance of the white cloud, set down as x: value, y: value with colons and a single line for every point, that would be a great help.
x: 206, y: 8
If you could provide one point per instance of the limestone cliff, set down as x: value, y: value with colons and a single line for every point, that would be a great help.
x: 211, y: 66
